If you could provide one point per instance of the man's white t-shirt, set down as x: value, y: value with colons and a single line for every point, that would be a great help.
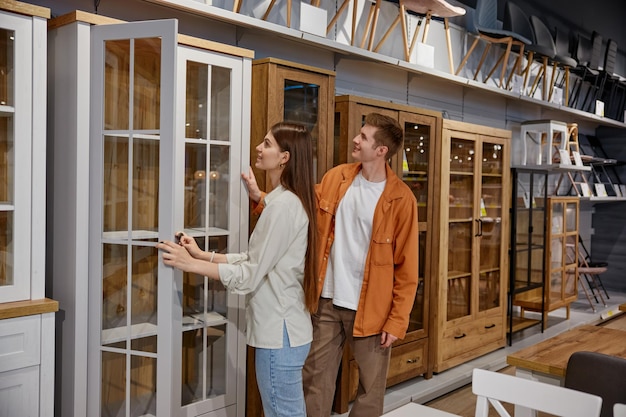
x: 353, y: 233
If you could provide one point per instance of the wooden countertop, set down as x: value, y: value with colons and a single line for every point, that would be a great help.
x: 622, y: 307
x: 551, y: 356
x: 28, y: 308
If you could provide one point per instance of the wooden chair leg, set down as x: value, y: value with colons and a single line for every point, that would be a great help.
x: 446, y: 26
x: 387, y: 33
x: 467, y: 55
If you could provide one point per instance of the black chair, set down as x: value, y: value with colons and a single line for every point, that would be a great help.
x: 598, y: 374
x: 588, y: 53
x: 516, y: 20
x: 484, y: 25
x: 611, y: 85
x: 561, y: 42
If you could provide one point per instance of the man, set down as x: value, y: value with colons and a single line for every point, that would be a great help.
x: 366, y: 291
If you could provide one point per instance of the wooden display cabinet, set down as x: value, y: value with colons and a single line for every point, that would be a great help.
x: 561, y: 275
x: 469, y: 292
x: 166, y: 123
x: 290, y: 92
x: 415, y: 164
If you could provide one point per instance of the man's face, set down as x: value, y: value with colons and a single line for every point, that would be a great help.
x: 364, y: 147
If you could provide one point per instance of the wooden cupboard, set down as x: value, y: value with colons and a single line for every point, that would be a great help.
x: 468, y: 294
x: 152, y: 150
x: 561, y: 259
x: 290, y: 92
x: 415, y: 164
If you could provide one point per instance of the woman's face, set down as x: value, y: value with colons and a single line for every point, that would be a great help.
x: 269, y: 155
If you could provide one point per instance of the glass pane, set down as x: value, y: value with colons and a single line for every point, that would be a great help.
x: 219, y: 185
x: 571, y: 217
x: 458, y: 298
x: 301, y: 106
x: 142, y: 386
x: 7, y: 42
x: 196, y: 100
x: 462, y: 155
x: 459, y: 248
x: 220, y: 103
x: 6, y: 249
x: 556, y: 281
x: 115, y: 187
x: 489, y: 290
x: 492, y: 158
x: 490, y: 243
x: 569, y: 286
x: 557, y: 218
x: 147, y: 84
x: 415, y: 164
x: 556, y: 253
x: 144, y: 294
x: 114, y: 294
x: 145, y: 185
x: 195, y: 186
x: 116, y: 84
x: 7, y: 168
x: 113, y: 384
x: 7, y: 160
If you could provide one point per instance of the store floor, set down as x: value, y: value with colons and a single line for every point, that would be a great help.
x: 421, y: 390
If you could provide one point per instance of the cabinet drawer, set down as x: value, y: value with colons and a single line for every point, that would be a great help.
x: 463, y: 338
x: 19, y: 342
x: 407, y: 361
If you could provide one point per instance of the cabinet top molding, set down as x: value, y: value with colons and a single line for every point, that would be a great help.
x: 94, y: 19
x: 28, y: 308
x: 24, y: 8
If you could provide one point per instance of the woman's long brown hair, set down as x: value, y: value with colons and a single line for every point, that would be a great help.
x: 298, y: 177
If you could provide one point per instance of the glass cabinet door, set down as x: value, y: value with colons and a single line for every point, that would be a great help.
x: 15, y: 159
x: 461, y: 218
x: 417, y: 162
x: 570, y: 284
x: 209, y: 334
x: 490, y: 226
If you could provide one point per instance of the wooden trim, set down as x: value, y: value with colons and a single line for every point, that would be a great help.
x: 387, y: 105
x: 478, y: 129
x: 28, y: 308
x: 94, y: 19
x: 25, y: 8
x: 295, y: 65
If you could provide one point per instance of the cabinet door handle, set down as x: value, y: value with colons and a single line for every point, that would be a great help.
x: 412, y: 360
x: 480, y: 227
x: 491, y: 326
x: 460, y: 336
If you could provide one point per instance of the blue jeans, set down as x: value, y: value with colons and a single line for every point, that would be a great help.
x: 279, y: 377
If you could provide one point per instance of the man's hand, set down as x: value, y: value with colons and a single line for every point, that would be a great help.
x: 253, y: 187
x: 386, y: 339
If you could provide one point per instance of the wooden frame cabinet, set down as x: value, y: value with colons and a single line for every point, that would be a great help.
x: 415, y: 164
x: 472, y: 213
x: 291, y: 92
x: 152, y: 150
x: 561, y: 259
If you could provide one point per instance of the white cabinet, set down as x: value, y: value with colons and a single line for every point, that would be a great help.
x: 164, y: 135
x: 27, y: 319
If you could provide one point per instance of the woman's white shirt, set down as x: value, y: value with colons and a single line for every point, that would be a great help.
x: 271, y: 274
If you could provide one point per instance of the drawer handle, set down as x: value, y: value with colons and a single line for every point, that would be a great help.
x: 460, y: 336
x: 491, y: 326
x: 412, y: 360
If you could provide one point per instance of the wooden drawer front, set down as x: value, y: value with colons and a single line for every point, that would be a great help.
x: 407, y: 361
x: 466, y: 337
x: 19, y: 342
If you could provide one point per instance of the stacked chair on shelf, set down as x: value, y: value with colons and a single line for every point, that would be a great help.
x: 588, y: 53
x: 516, y: 20
x: 564, y: 57
x: 484, y: 26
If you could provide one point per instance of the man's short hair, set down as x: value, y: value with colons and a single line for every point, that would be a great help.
x: 389, y: 133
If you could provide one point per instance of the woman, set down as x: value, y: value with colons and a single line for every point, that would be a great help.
x: 278, y: 271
